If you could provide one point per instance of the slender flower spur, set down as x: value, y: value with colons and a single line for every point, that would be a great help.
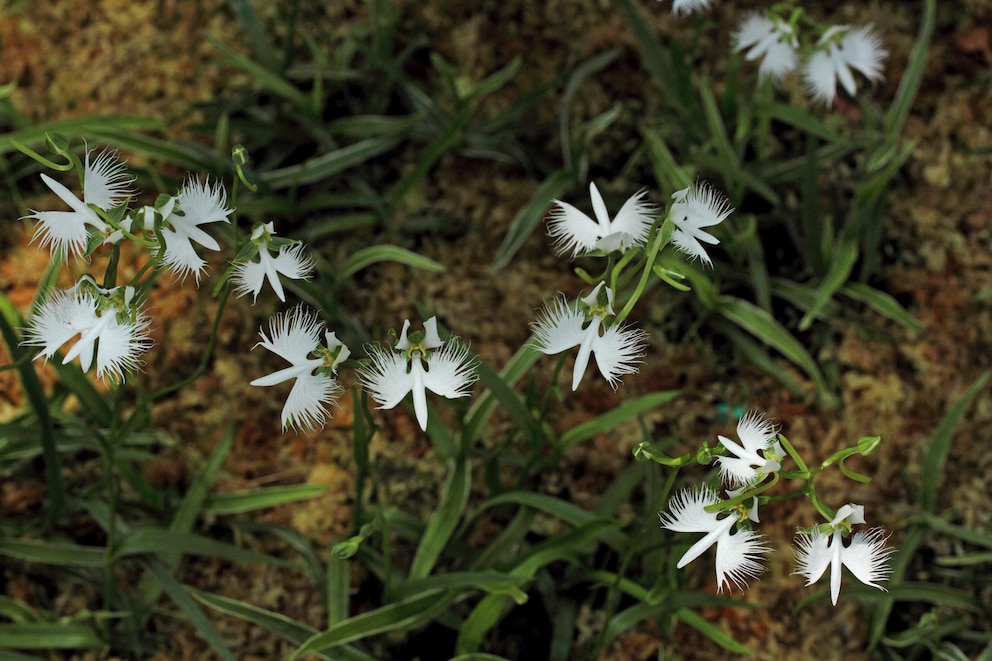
x: 106, y: 322
x: 295, y: 336
x: 839, y: 50
x: 561, y: 326
x: 418, y: 363
x: 196, y: 204
x: 866, y: 556
x: 106, y: 184
x: 290, y: 261
x: 574, y: 232
x: 771, y: 39
x: 696, y: 207
x: 758, y: 454
x: 738, y: 554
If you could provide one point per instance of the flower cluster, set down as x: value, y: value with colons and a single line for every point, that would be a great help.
x: 838, y: 52
x: 107, y: 322
x: 727, y: 523
x: 591, y: 322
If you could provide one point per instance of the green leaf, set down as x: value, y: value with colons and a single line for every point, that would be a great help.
x: 154, y: 541
x: 711, y: 631
x: 488, y: 581
x: 881, y: 303
x: 528, y: 218
x: 841, y: 263
x: 49, y: 635
x: 483, y: 406
x: 386, y: 253
x: 806, y: 123
x: 53, y: 553
x: 277, y: 623
x: 511, y: 402
x: 189, y: 608
x: 614, y: 417
x: 444, y: 520
x: 932, y: 469
x: 327, y: 165
x: 764, y: 327
x: 237, y: 502
x: 396, y: 617
x: 264, y: 76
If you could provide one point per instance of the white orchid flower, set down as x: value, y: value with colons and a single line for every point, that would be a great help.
x: 290, y: 261
x: 696, y: 207
x: 839, y: 50
x: 771, y: 39
x: 295, y: 336
x: 757, y: 455
x: 574, y: 232
x: 738, y: 554
x: 418, y: 363
x: 866, y: 556
x: 198, y: 203
x: 561, y: 326
x: 106, y: 322
x: 689, y: 6
x: 106, y: 184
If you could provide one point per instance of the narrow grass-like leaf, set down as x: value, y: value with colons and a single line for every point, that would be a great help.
x: 237, y: 502
x: 615, y: 416
x: 528, y: 218
x: 327, y: 165
x: 53, y: 553
x: 277, y: 623
x: 185, y: 155
x: 264, y: 76
x: 189, y: 608
x: 912, y: 75
x: 492, y: 582
x: 764, y: 327
x: 511, y: 402
x: 969, y: 535
x: 257, y: 37
x: 444, y: 520
x: 49, y: 635
x: 338, y: 588
x: 670, y: 175
x: 396, y: 617
x: 491, y: 608
x: 111, y: 127
x: 841, y: 262
x: 711, y: 631
x: 932, y: 469
x: 483, y: 406
x: 153, y: 541
x: 386, y: 253
x: 882, y: 303
x: 805, y: 122
x: 18, y: 611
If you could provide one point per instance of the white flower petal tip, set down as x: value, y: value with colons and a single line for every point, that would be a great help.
x: 108, y: 327
x: 867, y: 556
x: 696, y: 207
x: 757, y: 455
x: 574, y: 232
x: 680, y: 7
x: 291, y: 261
x: 739, y: 553
x: 771, y: 39
x: 840, y: 50
x: 106, y: 184
x: 197, y: 204
x: 561, y: 326
x: 419, y: 362
x: 295, y: 337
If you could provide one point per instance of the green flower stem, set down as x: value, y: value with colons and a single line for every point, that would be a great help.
x: 747, y: 495
x: 110, y: 274
x: 657, y: 243
x: 27, y: 151
x: 202, y: 367
x: 792, y: 453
